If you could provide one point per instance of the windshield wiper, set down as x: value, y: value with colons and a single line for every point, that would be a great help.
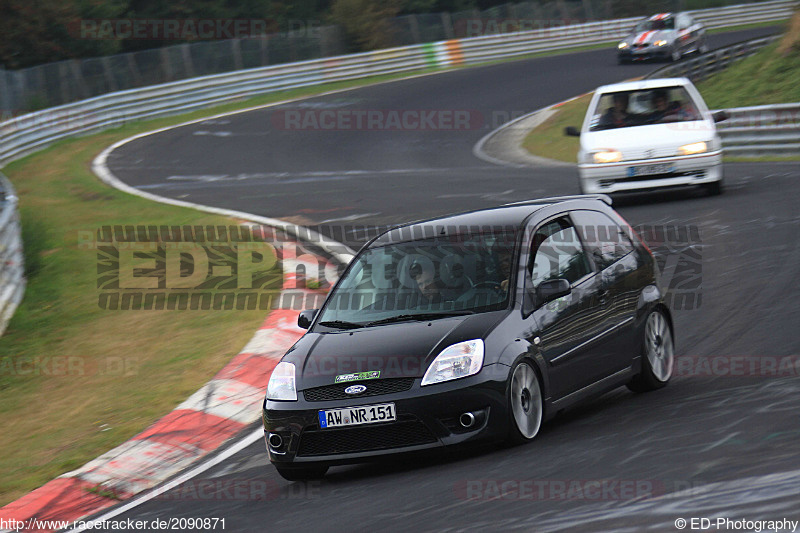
x: 341, y: 324
x: 418, y: 316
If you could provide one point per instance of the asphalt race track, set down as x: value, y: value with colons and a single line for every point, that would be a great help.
x: 708, y: 445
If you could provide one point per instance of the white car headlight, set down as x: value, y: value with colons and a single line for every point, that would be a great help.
x: 281, y: 383
x: 661, y: 42
x: 457, y: 361
x: 607, y: 156
x: 622, y: 45
x: 693, y: 148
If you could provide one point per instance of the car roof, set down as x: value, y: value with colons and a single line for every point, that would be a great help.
x: 639, y: 85
x: 661, y: 16
x: 505, y: 217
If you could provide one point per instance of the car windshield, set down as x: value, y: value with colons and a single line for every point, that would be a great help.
x: 462, y: 274
x: 654, y: 25
x: 643, y: 107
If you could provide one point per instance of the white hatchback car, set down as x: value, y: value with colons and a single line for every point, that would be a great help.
x: 649, y: 134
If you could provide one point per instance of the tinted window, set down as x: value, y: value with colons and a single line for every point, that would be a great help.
x: 606, y: 241
x: 469, y: 272
x: 658, y: 105
x: 655, y: 25
x: 557, y: 252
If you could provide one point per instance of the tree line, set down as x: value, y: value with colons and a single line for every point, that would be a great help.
x: 33, y: 32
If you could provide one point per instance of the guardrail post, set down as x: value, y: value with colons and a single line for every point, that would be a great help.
x: 12, y: 263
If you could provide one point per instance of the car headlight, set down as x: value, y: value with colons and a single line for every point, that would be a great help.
x: 693, y: 148
x: 661, y: 42
x: 607, y: 156
x: 281, y: 383
x: 622, y: 45
x: 457, y: 361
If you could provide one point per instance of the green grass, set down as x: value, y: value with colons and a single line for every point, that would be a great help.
x: 770, y: 76
x: 548, y: 139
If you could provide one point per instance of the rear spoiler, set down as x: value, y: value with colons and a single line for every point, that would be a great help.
x: 602, y: 197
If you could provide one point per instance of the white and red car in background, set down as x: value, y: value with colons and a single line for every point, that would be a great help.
x: 667, y: 36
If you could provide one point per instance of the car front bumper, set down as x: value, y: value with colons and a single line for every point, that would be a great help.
x: 427, y: 417
x: 650, y: 52
x: 685, y: 170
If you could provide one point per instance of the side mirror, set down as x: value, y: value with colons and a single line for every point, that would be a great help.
x: 551, y: 289
x: 572, y: 131
x: 305, y: 318
x: 719, y: 116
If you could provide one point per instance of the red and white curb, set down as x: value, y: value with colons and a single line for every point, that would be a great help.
x: 213, y: 415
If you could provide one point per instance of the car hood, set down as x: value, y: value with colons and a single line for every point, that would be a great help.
x: 404, y: 349
x: 650, y: 36
x: 663, y: 139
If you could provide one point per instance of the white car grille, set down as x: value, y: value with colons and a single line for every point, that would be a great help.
x: 648, y: 153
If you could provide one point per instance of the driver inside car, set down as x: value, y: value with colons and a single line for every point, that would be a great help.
x: 616, y: 116
x: 660, y: 104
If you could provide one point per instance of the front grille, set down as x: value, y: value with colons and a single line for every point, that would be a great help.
x: 649, y: 153
x: 697, y: 174
x: 364, y: 439
x: 374, y: 388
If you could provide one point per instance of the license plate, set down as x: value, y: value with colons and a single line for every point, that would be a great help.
x: 647, y: 170
x: 353, y: 416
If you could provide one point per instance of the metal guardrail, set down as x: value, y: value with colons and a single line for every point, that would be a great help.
x: 12, y: 264
x: 34, y: 131
x: 768, y: 130
x: 702, y: 66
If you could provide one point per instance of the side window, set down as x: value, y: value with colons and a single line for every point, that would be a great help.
x: 556, y: 252
x: 604, y: 238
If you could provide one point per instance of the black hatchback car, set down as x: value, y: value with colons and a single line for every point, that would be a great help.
x: 470, y: 327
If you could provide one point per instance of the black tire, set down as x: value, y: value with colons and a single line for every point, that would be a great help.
x: 676, y: 55
x: 301, y: 473
x: 714, y: 188
x: 658, y: 353
x: 525, y: 403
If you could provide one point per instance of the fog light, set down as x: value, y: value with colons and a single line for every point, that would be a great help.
x: 275, y: 441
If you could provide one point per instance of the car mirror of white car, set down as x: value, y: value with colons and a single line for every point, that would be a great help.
x: 572, y: 131
x: 720, y: 116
